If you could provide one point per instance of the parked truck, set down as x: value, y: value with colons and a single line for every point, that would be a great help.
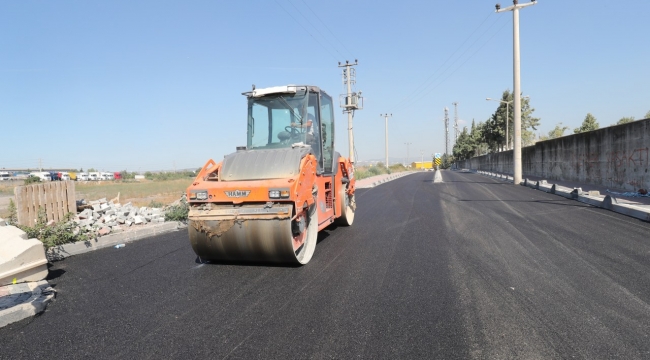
x: 42, y: 175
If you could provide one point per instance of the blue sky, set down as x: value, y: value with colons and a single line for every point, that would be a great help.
x: 151, y: 85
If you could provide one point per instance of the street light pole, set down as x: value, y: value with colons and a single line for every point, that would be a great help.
x: 386, y: 118
x: 517, y: 84
x: 508, y: 124
x: 407, y: 154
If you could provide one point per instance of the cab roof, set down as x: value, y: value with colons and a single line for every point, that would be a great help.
x: 285, y: 89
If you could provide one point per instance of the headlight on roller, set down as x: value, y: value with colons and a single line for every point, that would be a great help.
x: 202, y: 195
x: 279, y: 194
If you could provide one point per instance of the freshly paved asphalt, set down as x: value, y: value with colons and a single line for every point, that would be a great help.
x: 471, y: 268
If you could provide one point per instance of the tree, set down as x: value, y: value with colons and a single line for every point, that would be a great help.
x: 496, y: 124
x: 625, y: 120
x: 464, y: 147
x: 647, y: 115
x: 92, y: 170
x: 481, y: 147
x: 528, y: 122
x: 588, y: 124
x: 127, y: 175
x: 447, y: 160
x: 558, y: 131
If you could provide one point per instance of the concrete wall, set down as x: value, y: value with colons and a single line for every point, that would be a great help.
x: 616, y: 156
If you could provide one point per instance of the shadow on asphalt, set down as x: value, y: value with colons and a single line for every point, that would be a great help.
x: 480, y: 182
x: 244, y: 263
x: 53, y: 274
x: 562, y: 202
x: 322, y: 235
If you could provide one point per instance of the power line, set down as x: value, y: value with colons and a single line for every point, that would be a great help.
x: 309, y: 22
x: 328, y: 29
x: 428, y: 88
x: 310, y: 34
x: 450, y: 56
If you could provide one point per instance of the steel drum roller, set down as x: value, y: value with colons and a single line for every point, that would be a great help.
x: 251, y: 240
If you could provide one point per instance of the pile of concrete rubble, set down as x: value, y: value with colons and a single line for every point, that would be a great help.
x: 104, y: 217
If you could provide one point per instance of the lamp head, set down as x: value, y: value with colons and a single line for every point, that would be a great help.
x: 498, y: 6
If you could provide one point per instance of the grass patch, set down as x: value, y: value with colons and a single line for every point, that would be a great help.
x: 141, y: 193
x: 63, y: 232
x: 6, y: 189
x: 178, y: 212
x: 363, y: 172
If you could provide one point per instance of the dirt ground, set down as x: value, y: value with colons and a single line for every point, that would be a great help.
x: 165, y: 199
x: 4, y: 204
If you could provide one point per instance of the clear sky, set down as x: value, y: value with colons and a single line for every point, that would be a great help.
x: 156, y: 85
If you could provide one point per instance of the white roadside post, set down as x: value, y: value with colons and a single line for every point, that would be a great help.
x: 385, y: 116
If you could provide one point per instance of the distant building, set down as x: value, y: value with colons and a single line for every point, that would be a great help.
x: 423, y: 165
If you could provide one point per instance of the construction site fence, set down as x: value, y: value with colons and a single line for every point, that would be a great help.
x: 56, y: 199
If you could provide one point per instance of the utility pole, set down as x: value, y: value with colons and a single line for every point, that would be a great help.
x: 455, y: 122
x: 446, y: 131
x: 40, y: 164
x: 386, y: 118
x: 517, y: 85
x: 353, y: 101
x: 407, y: 153
x: 422, y: 159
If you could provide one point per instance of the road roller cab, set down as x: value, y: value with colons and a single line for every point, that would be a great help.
x: 267, y: 201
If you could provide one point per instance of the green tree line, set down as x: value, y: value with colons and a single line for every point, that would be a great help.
x: 589, y: 123
x: 490, y: 135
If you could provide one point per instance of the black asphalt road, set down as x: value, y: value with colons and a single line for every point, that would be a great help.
x: 471, y: 268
